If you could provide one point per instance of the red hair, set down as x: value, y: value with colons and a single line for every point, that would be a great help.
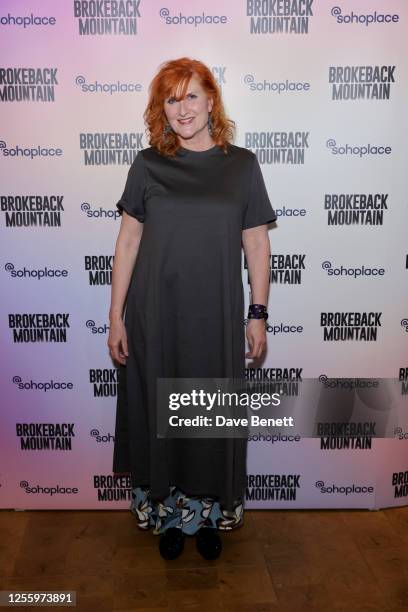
x: 165, y: 83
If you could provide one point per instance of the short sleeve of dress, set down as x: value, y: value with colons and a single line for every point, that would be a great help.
x: 259, y: 209
x: 132, y: 200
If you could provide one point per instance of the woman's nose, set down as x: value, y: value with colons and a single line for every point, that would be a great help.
x: 183, y: 107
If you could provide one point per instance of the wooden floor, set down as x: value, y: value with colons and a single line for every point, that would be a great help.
x: 291, y: 560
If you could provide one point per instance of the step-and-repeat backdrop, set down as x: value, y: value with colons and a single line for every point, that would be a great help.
x: 318, y: 91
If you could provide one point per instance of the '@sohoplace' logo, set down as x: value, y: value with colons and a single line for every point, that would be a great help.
x: 106, y: 88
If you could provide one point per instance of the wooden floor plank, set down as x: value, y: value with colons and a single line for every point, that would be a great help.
x: 278, y: 561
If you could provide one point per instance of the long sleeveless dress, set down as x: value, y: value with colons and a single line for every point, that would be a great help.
x: 185, y: 318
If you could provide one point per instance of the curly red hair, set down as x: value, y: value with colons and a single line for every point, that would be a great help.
x: 170, y: 76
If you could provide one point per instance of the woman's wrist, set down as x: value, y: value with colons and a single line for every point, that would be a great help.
x: 257, y: 311
x: 115, y: 316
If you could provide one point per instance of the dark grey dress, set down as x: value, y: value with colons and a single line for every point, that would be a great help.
x: 185, y: 310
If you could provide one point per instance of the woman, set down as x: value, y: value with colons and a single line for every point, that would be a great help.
x: 191, y: 200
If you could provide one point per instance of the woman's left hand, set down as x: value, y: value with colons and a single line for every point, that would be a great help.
x: 256, y: 336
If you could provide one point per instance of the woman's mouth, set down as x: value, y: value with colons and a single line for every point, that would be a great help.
x: 186, y: 121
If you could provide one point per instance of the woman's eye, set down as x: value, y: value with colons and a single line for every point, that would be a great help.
x: 171, y: 100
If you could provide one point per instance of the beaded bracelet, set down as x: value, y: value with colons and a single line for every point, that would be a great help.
x: 257, y: 311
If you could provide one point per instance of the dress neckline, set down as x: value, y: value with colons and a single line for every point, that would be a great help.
x: 199, y: 153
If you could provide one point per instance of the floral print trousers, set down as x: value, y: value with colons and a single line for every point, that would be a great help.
x: 186, y: 513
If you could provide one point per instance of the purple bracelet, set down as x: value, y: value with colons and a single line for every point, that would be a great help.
x: 257, y: 311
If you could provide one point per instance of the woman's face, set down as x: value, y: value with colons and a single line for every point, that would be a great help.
x: 188, y: 117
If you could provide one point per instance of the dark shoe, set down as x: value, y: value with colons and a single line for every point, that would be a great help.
x: 208, y: 542
x: 171, y: 543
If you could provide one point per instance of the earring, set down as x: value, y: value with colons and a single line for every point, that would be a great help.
x: 210, y: 124
x: 166, y: 129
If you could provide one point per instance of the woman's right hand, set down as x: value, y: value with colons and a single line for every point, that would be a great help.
x: 117, y: 341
